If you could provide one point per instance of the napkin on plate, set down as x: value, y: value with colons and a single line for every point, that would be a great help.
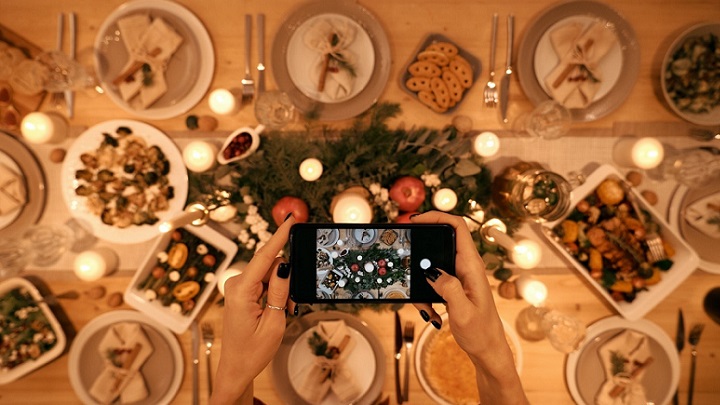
x: 124, y: 348
x: 12, y: 190
x: 625, y: 359
x: 331, y: 38
x: 704, y: 215
x: 328, y: 371
x: 152, y: 42
x: 576, y: 79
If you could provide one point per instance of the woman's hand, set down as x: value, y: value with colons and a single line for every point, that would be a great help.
x: 252, y: 333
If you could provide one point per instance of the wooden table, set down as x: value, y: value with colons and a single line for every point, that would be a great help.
x: 406, y: 22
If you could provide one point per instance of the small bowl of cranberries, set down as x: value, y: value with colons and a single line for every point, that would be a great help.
x: 240, y: 144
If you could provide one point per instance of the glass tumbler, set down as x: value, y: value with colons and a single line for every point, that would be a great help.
x: 549, y: 120
x: 274, y: 109
x: 48, y: 243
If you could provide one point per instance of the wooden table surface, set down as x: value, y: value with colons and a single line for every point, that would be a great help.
x: 656, y: 23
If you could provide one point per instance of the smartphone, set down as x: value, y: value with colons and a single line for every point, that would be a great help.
x: 349, y: 263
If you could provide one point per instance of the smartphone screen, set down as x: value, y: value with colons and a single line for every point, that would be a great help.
x: 368, y: 262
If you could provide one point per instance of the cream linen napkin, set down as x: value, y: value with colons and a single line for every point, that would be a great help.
x: 625, y: 358
x: 580, y: 50
x: 703, y: 212
x: 12, y: 190
x: 332, y: 37
x: 328, y: 372
x: 118, y: 378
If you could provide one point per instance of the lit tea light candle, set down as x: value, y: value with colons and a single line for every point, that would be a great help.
x: 527, y: 254
x: 643, y: 153
x: 352, y: 208
x: 38, y: 127
x: 199, y: 156
x: 311, y: 169
x: 486, y: 144
x: 533, y: 291
x: 445, y: 199
x: 195, y: 214
x: 91, y: 265
x: 223, y: 102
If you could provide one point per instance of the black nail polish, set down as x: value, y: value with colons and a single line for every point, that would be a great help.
x: 283, y: 270
x: 432, y: 273
x: 288, y: 216
x: 436, y: 324
x: 424, y: 315
x: 296, y: 311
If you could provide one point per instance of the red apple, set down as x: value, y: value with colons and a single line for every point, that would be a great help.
x: 382, y: 271
x: 408, y: 192
x: 288, y: 204
x: 405, y: 218
x: 354, y: 267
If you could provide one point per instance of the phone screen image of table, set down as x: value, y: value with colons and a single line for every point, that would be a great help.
x: 363, y: 263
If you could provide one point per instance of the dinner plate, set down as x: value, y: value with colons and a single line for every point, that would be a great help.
x: 89, y: 141
x: 705, y: 246
x: 18, y: 157
x: 585, y: 375
x: 189, y: 70
x: 328, y: 237
x: 366, y: 361
x: 620, y: 67
x: 162, y: 372
x: 365, y: 236
x: 292, y: 60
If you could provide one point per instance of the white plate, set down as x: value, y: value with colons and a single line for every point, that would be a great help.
x: 286, y: 51
x: 585, y: 375
x: 705, y: 246
x: 429, y: 332
x: 61, y: 340
x: 18, y: 157
x: 712, y: 117
x: 302, y: 61
x: 189, y: 71
x: 534, y: 55
x: 89, y: 141
x: 685, y: 259
x: 162, y: 372
x: 367, y: 360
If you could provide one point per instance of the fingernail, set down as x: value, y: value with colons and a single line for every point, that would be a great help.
x: 436, y: 324
x: 283, y: 270
x: 288, y: 216
x: 424, y: 315
x: 432, y: 273
x: 296, y: 311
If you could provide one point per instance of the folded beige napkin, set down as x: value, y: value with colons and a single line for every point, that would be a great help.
x: 576, y: 79
x: 124, y: 348
x: 625, y: 359
x: 328, y: 372
x: 332, y: 37
x: 704, y: 215
x: 152, y: 42
x: 12, y: 190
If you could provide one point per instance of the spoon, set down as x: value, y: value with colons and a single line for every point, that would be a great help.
x: 711, y: 304
x: 693, y: 339
x: 68, y: 295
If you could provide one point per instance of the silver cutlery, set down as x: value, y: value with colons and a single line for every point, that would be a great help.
x: 505, y: 81
x: 398, y: 355
x: 248, y: 84
x: 693, y: 339
x: 261, y: 53
x: 195, y: 348
x: 69, y: 94
x: 208, y: 335
x: 490, y: 92
x: 408, y: 338
x: 705, y: 134
x: 679, y: 344
x: 52, y: 299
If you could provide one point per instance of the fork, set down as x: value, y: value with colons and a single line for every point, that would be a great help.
x: 490, y: 93
x: 693, y: 339
x: 208, y: 337
x: 656, y: 250
x: 408, y: 338
x: 248, y: 84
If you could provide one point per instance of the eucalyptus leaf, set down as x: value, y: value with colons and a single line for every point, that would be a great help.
x: 466, y: 167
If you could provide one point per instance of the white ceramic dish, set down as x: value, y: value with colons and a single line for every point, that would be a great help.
x: 61, y: 340
x: 163, y: 370
x: 177, y: 322
x: 89, y: 141
x: 584, y: 373
x: 429, y: 332
x: 704, y: 245
x: 367, y: 360
x: 254, y: 145
x: 189, y: 71
x: 710, y: 118
x: 685, y: 259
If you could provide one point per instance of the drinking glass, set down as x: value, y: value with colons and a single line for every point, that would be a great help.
x: 48, y: 243
x: 692, y: 167
x: 564, y: 332
x: 274, y: 109
x: 549, y: 120
x: 64, y: 73
x: 15, y: 255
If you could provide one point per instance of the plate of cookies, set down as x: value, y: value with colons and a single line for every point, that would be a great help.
x: 440, y: 73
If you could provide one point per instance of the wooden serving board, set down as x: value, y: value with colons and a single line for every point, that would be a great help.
x: 23, y: 103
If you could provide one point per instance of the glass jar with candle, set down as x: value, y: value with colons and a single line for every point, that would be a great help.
x: 527, y: 191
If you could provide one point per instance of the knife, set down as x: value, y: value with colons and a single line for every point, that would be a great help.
x: 69, y: 94
x: 195, y: 360
x: 261, y: 52
x: 505, y: 81
x: 398, y: 349
x: 679, y: 344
